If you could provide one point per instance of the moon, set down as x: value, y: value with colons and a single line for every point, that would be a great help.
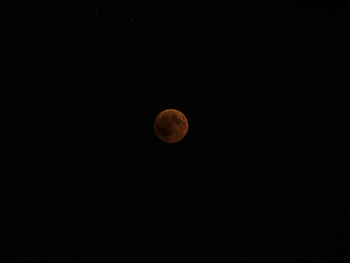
x: 171, y: 126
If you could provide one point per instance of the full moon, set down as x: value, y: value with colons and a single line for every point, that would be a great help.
x: 171, y: 126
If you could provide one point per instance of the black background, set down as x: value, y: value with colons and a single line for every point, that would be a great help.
x: 260, y: 175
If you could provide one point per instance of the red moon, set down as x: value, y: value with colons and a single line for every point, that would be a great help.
x: 171, y: 126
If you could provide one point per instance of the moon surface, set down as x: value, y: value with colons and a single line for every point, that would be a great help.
x: 171, y: 126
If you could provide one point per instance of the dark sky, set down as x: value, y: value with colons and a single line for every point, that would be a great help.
x: 260, y: 174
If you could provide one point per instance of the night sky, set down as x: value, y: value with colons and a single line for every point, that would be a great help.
x: 260, y: 174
